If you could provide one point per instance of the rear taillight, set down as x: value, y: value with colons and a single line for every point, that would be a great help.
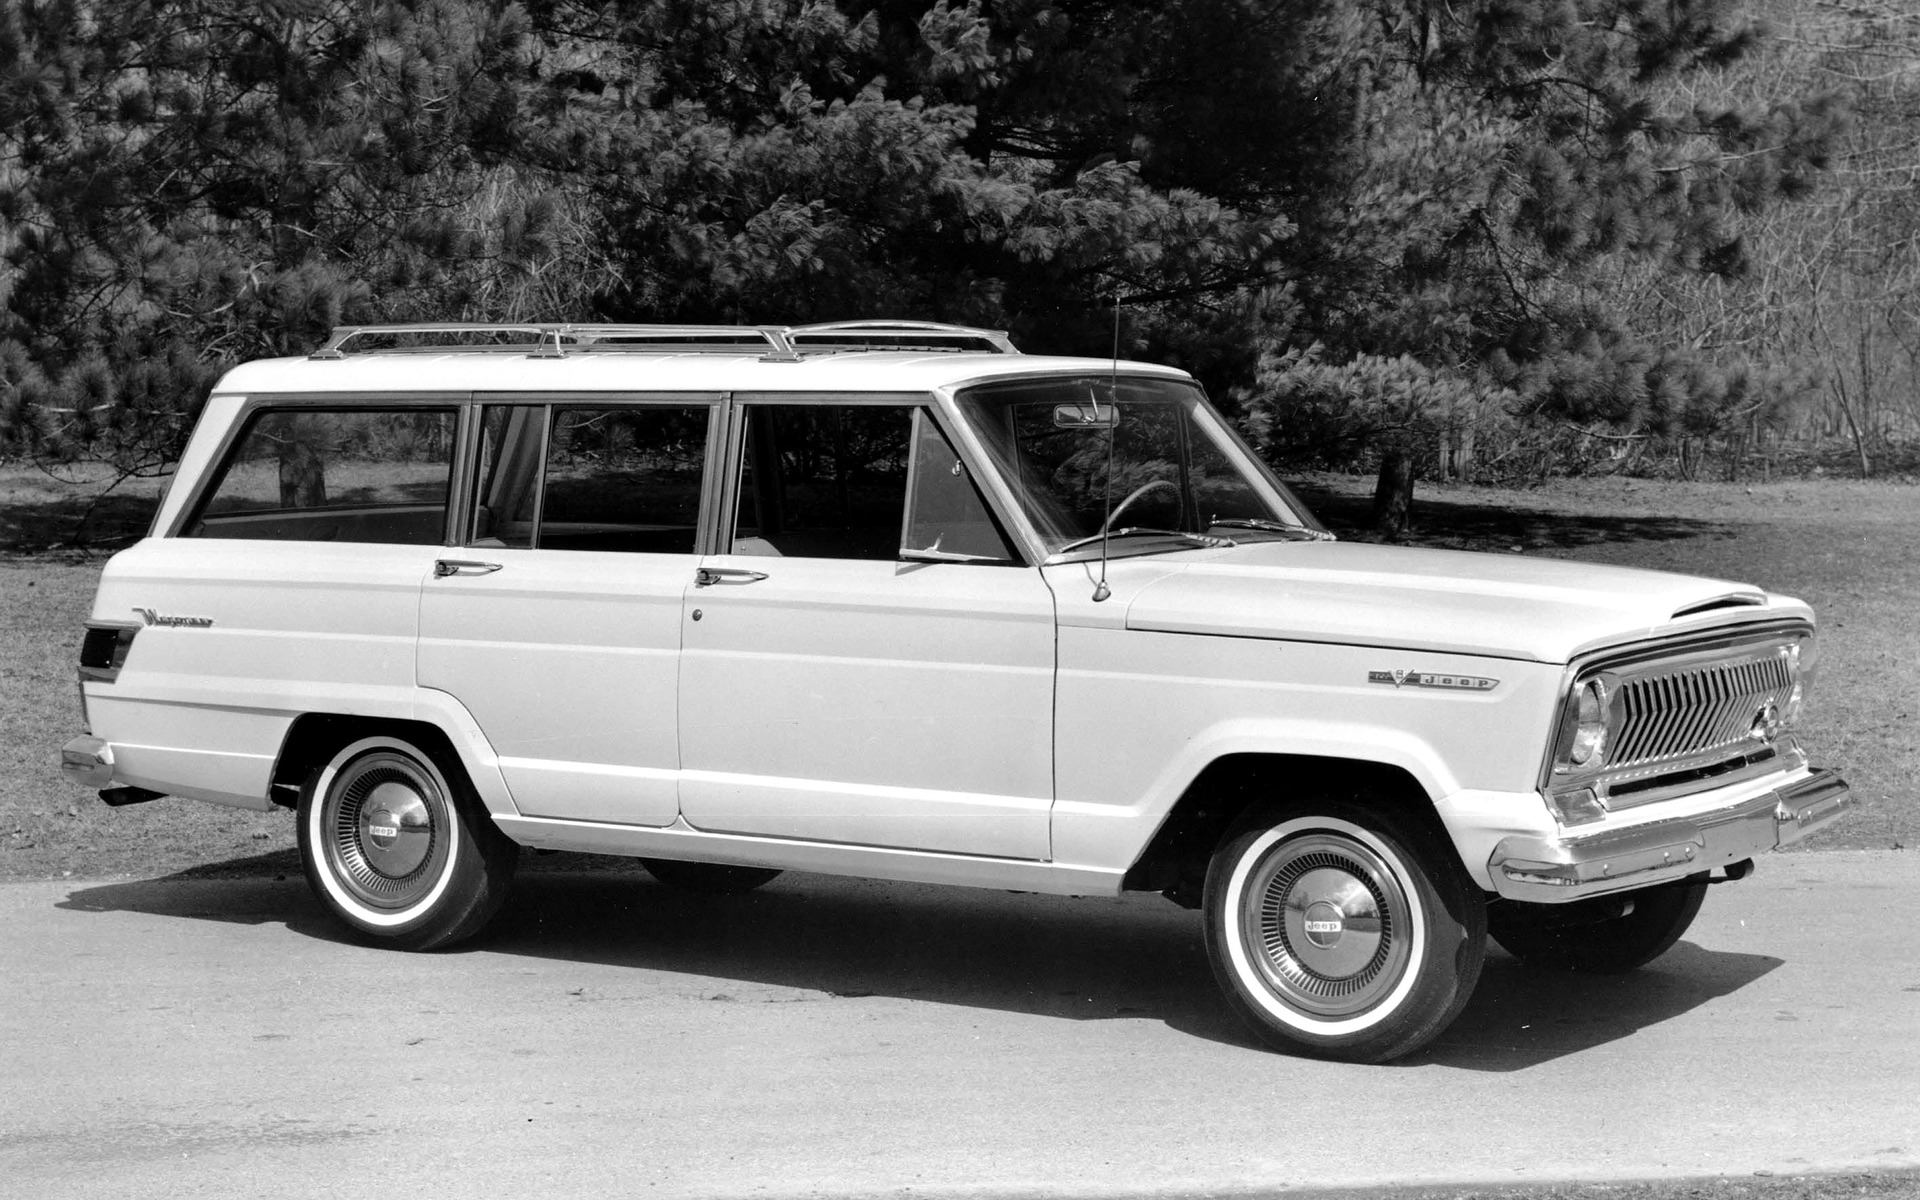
x: 104, y: 651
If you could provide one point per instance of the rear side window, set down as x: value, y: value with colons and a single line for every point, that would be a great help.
x: 334, y: 475
x: 623, y: 479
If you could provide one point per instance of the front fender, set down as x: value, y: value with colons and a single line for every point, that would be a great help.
x: 1092, y: 831
x: 1140, y: 715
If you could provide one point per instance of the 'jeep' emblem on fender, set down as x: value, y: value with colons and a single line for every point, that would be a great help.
x: 159, y: 618
x: 1430, y: 679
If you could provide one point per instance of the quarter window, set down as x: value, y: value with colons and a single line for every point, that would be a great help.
x: 947, y: 520
x: 326, y: 475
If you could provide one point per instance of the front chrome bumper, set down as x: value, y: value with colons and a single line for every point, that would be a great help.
x: 1557, y: 870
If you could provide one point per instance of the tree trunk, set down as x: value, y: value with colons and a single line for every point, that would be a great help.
x: 1393, y: 494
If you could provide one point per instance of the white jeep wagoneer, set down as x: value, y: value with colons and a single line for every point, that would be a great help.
x: 894, y: 600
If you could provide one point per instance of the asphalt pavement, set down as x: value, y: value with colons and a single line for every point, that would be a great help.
x: 848, y: 1038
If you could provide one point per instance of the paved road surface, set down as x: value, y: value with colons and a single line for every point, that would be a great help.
x: 835, y: 1037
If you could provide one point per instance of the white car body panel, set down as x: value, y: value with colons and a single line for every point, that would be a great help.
x: 568, y: 664
x: 1353, y: 594
x: 208, y: 705
x: 919, y: 696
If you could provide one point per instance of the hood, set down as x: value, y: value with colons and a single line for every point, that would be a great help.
x: 1455, y: 601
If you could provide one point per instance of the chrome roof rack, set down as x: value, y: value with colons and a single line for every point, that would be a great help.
x: 777, y: 343
x: 900, y: 335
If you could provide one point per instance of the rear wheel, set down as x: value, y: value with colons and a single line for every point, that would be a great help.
x: 718, y: 879
x: 1609, y: 935
x: 395, y: 843
x: 1341, y: 932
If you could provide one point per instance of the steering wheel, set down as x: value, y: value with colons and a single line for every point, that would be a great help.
x: 1133, y: 495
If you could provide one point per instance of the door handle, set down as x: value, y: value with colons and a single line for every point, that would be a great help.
x: 462, y: 566
x: 708, y: 576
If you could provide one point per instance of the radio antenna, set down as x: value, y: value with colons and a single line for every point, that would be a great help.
x: 1100, y: 590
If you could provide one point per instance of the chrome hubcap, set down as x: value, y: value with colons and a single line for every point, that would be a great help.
x: 1326, y: 924
x: 396, y: 829
x: 384, y: 823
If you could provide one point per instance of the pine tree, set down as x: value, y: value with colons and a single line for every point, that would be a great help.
x: 190, y: 183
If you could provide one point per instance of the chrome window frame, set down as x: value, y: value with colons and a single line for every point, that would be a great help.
x: 252, y: 404
x: 553, y: 400
x: 1019, y: 536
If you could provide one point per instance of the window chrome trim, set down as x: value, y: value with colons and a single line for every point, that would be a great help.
x: 253, y: 403
x: 1003, y: 497
x: 958, y: 433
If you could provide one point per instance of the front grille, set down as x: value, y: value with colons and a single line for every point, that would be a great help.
x: 1682, y: 714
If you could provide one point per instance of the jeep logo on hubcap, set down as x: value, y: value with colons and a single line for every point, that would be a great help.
x: 1324, y: 924
x: 383, y: 829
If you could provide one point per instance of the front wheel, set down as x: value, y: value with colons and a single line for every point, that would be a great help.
x: 397, y: 846
x: 1610, y: 935
x: 1340, y: 932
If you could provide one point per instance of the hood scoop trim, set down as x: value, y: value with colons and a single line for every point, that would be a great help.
x: 1730, y: 600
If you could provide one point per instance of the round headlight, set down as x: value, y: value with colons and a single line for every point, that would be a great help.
x: 1590, y: 725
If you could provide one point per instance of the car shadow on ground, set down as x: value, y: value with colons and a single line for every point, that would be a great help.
x: 1520, y: 1017
x: 1095, y: 958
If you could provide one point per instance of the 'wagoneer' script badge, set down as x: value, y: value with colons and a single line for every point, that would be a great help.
x: 159, y: 618
x: 1428, y: 679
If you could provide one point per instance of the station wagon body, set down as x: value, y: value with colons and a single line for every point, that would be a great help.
x: 891, y: 600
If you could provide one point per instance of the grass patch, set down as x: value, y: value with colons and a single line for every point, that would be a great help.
x: 1848, y: 548
x: 81, y: 511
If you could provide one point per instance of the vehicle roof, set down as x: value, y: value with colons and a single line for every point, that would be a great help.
x: 457, y: 371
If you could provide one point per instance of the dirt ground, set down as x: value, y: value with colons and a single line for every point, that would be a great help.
x: 1848, y: 548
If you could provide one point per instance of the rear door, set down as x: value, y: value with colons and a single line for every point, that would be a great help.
x: 557, y: 623
x: 858, y: 668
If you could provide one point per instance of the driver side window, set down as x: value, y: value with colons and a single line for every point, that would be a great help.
x: 858, y: 481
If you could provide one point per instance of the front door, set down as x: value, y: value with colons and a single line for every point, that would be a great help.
x: 557, y: 623
x: 869, y: 662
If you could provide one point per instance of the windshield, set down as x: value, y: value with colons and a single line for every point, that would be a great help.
x: 1145, y: 458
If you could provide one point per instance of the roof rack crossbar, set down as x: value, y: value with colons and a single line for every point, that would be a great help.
x: 779, y: 343
x: 918, y: 332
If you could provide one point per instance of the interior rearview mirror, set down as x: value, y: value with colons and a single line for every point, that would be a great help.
x: 1091, y: 415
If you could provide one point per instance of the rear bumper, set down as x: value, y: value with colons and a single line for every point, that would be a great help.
x: 1557, y: 870
x: 87, y: 761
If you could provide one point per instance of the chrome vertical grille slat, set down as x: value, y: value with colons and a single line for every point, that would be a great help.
x: 1682, y: 713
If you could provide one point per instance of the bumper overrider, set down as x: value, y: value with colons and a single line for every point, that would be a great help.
x: 1560, y: 869
x: 87, y: 761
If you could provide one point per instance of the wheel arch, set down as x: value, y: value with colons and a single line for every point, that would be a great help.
x: 315, y: 737
x: 1215, y: 801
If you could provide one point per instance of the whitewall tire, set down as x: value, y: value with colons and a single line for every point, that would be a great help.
x: 395, y: 844
x: 1341, y: 932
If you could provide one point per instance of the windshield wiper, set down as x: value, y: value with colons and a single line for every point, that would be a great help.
x: 1297, y: 532
x: 1195, y: 539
